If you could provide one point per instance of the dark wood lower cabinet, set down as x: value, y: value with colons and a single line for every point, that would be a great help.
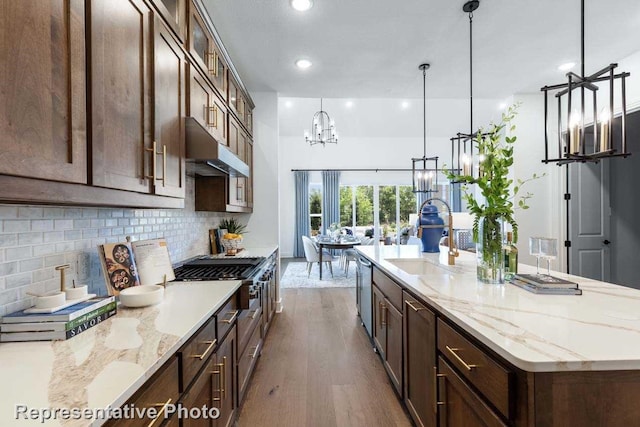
x: 419, y: 362
x: 226, y: 391
x: 379, y: 324
x: 387, y: 336
x: 393, y: 361
x: 460, y: 404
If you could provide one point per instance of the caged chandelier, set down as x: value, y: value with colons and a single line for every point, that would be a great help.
x: 323, y: 129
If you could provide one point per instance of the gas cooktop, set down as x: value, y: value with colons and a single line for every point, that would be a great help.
x: 213, y: 268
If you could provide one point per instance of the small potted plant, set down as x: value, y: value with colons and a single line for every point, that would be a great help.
x: 232, y: 240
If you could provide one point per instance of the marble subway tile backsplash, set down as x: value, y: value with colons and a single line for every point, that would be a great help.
x: 34, y: 239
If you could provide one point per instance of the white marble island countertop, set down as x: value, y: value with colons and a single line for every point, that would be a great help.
x: 599, y: 330
x: 105, y: 365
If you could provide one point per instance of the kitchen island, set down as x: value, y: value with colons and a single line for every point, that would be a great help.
x: 104, y: 366
x: 506, y: 355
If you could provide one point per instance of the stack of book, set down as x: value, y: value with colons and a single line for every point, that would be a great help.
x: 61, y: 325
x: 545, y: 284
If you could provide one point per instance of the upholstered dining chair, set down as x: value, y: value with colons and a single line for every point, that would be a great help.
x: 312, y: 255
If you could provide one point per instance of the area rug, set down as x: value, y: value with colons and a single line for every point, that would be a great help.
x: 295, y: 276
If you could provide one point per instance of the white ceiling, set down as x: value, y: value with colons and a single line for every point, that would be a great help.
x: 372, y: 48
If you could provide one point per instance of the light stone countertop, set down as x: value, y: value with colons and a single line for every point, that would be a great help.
x: 105, y: 365
x: 599, y: 330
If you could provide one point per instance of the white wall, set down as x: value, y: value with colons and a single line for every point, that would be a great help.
x: 374, y: 133
x: 263, y: 224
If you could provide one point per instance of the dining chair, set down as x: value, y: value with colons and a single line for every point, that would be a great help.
x: 312, y: 255
x: 349, y: 255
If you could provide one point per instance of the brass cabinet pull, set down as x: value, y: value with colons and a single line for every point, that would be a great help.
x: 255, y: 352
x: 436, y: 378
x: 203, y: 355
x: 154, y: 162
x: 233, y: 317
x: 164, y: 408
x: 224, y: 378
x: 384, y: 315
x: 410, y: 304
x: 459, y: 359
x: 164, y: 164
x: 255, y: 313
x: 212, y: 57
x: 212, y: 110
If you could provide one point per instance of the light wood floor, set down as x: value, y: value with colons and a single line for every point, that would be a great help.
x: 318, y: 368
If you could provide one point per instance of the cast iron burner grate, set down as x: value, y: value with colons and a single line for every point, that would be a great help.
x: 207, y: 268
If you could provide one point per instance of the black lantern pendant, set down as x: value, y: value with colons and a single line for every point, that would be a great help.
x: 424, y: 170
x: 581, y: 138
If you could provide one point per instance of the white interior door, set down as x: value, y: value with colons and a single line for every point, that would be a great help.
x: 590, y: 222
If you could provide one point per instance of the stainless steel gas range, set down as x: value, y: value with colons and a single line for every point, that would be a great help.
x: 252, y: 271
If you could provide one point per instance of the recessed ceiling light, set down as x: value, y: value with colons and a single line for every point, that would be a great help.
x: 405, y: 105
x: 288, y: 104
x: 348, y: 104
x: 502, y: 106
x: 567, y: 66
x: 301, y: 5
x: 303, y: 64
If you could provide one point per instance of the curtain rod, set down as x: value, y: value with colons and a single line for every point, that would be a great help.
x: 367, y: 170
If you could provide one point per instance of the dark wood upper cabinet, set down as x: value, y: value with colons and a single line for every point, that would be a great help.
x: 204, y: 51
x: 419, y: 362
x: 205, y: 106
x: 42, y: 107
x: 169, y: 125
x: 120, y: 34
x: 174, y: 13
x: 249, y: 157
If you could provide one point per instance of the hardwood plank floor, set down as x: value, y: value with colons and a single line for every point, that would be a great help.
x: 318, y: 368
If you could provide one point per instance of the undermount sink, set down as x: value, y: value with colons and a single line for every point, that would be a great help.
x: 412, y: 266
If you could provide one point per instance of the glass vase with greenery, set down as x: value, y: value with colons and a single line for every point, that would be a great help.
x: 496, y: 207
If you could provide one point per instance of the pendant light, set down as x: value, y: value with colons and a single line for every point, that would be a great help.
x: 425, y: 177
x: 323, y: 129
x: 581, y: 138
x: 463, y: 160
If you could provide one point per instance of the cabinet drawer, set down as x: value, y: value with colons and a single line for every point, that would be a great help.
x: 247, y: 321
x: 247, y: 361
x: 161, y: 389
x: 389, y: 288
x: 481, y: 370
x: 226, y: 316
x: 196, y: 351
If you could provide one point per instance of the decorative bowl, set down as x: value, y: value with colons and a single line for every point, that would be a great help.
x: 231, y: 246
x: 76, y: 293
x: 51, y: 300
x: 141, y: 296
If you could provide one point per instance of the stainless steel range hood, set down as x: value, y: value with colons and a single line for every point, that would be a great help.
x: 207, y: 157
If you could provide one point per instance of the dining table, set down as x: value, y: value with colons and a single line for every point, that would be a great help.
x: 334, y: 244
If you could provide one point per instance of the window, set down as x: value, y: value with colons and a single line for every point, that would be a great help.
x: 315, y: 207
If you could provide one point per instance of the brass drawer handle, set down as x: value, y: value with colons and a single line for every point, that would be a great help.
x: 467, y: 366
x: 164, y: 408
x: 233, y: 317
x: 203, y: 355
x: 383, y: 316
x: 410, y: 304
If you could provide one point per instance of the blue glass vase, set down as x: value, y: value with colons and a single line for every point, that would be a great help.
x: 432, y: 233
